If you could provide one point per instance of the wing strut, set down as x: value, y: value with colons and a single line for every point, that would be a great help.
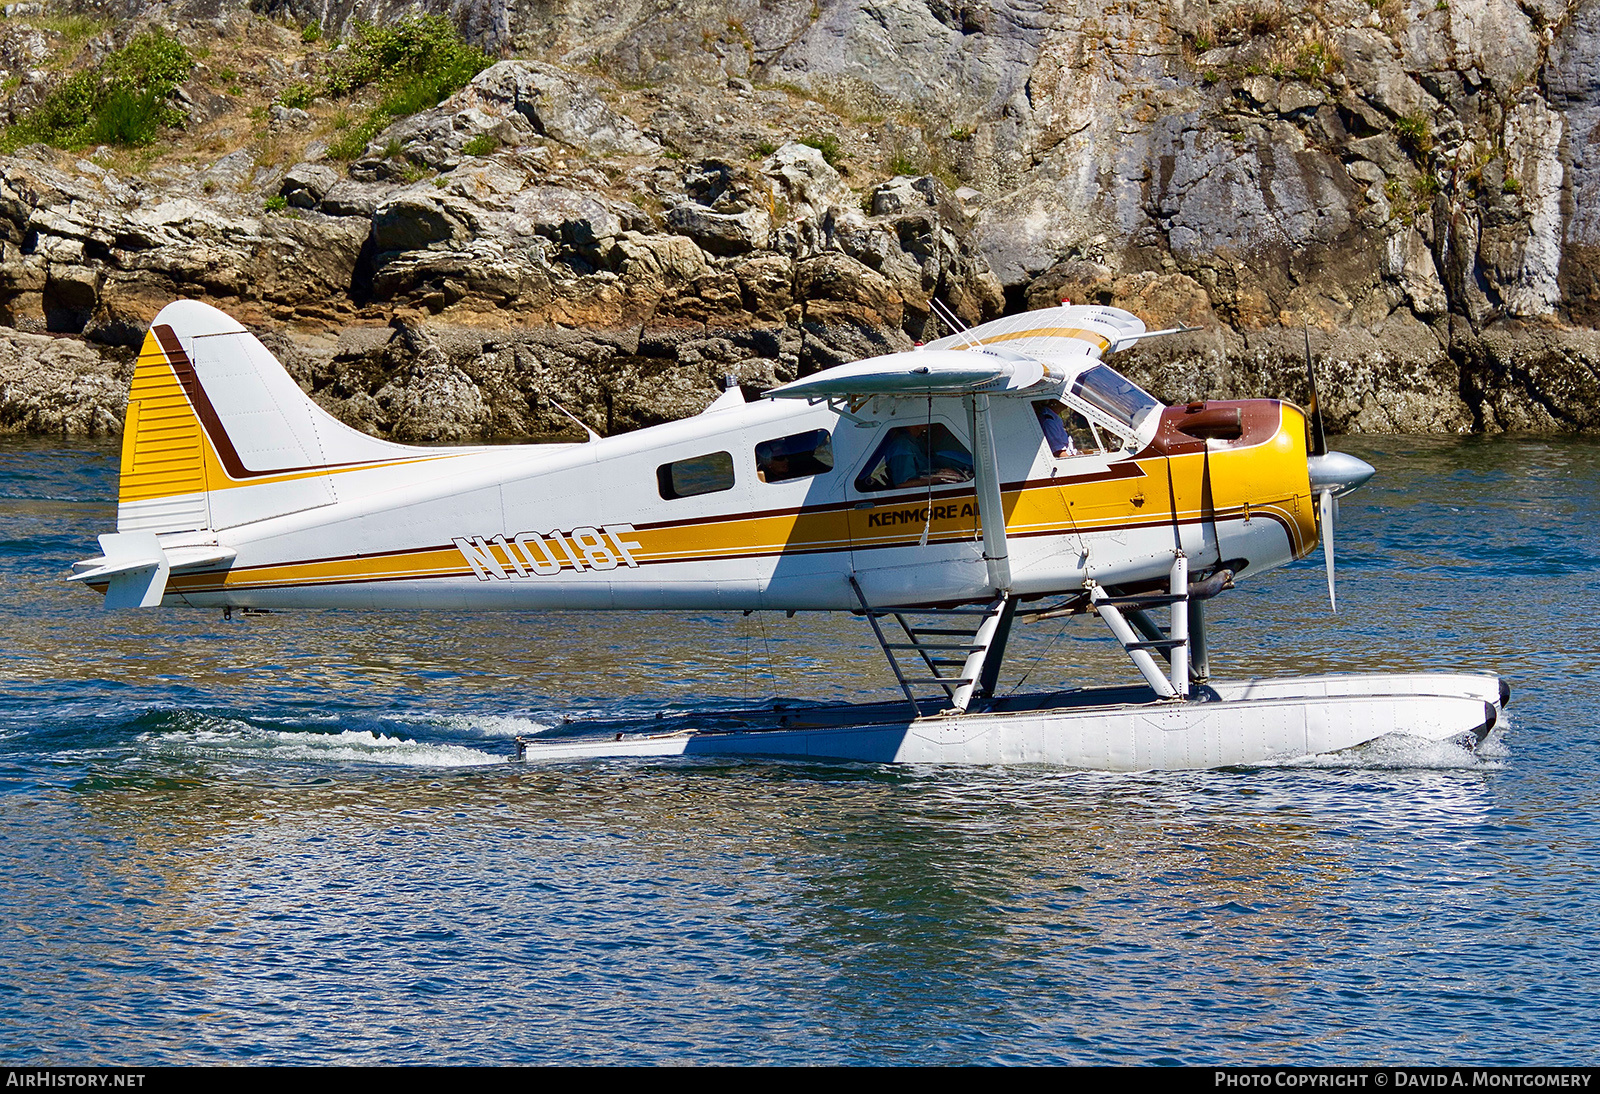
x: 991, y: 509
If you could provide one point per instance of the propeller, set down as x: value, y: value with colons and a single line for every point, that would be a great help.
x: 1318, y: 445
x: 1333, y: 474
x: 1326, y: 507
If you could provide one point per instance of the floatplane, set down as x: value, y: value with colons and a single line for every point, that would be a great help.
x: 1002, y: 473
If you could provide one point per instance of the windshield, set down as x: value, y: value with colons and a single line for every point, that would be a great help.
x: 1121, y: 398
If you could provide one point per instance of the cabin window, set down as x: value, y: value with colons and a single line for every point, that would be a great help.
x: 1120, y: 398
x: 916, y: 455
x: 1066, y: 432
x: 697, y: 475
x: 797, y: 456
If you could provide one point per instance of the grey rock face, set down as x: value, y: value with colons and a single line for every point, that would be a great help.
x: 1418, y: 184
x: 721, y: 233
x: 54, y: 385
x: 434, y: 401
x: 306, y: 184
x: 1574, y: 83
x: 508, y: 104
x: 1539, y: 379
x: 557, y: 104
x: 959, y: 60
x: 806, y: 181
x: 349, y: 198
x: 903, y: 194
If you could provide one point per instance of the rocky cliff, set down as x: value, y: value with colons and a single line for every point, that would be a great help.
x: 633, y: 204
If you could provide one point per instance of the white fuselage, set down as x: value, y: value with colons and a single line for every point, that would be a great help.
x: 586, y: 525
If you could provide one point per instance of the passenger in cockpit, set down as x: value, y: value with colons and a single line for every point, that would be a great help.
x: 917, y: 455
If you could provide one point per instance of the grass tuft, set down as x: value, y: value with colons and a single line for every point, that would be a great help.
x: 126, y: 99
x: 416, y: 63
x: 1415, y: 133
x: 353, y: 138
x: 828, y: 145
x: 903, y: 164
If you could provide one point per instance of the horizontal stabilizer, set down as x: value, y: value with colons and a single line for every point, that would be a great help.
x: 929, y: 372
x: 136, y: 566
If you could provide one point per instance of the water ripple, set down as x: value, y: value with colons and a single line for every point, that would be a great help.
x: 296, y: 839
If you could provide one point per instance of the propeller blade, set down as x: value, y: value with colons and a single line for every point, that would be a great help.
x: 1325, y: 509
x: 1319, y: 439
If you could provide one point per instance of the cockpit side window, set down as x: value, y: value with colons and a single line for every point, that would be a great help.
x: 1066, y: 432
x: 916, y: 455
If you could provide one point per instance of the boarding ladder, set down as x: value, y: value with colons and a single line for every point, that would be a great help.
x: 956, y: 649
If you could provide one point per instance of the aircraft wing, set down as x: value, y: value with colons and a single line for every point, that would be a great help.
x: 1011, y: 354
x: 925, y: 372
x: 1070, y: 331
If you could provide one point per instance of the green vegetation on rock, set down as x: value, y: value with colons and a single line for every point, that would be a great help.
x: 418, y: 63
x: 1415, y: 132
x: 901, y: 163
x: 828, y: 145
x: 297, y: 96
x: 415, y: 64
x: 126, y: 99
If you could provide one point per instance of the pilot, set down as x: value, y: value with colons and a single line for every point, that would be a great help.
x: 1063, y: 439
x: 1055, y: 430
x: 775, y: 468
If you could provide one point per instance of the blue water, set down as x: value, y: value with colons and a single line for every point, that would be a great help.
x: 296, y: 838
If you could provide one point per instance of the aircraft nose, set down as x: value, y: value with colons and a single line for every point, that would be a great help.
x: 1338, y: 473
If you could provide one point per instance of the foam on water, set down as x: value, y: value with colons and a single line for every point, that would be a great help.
x: 234, y: 739
x: 1398, y: 752
x: 477, y: 725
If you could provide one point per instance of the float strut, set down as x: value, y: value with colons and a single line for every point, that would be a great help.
x: 1130, y: 641
x: 1199, y: 654
x: 1180, y: 625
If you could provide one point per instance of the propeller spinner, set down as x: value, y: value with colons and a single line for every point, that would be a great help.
x: 1333, y: 474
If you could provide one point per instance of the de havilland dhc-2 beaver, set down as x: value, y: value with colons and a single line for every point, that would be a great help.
x: 1004, y: 471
